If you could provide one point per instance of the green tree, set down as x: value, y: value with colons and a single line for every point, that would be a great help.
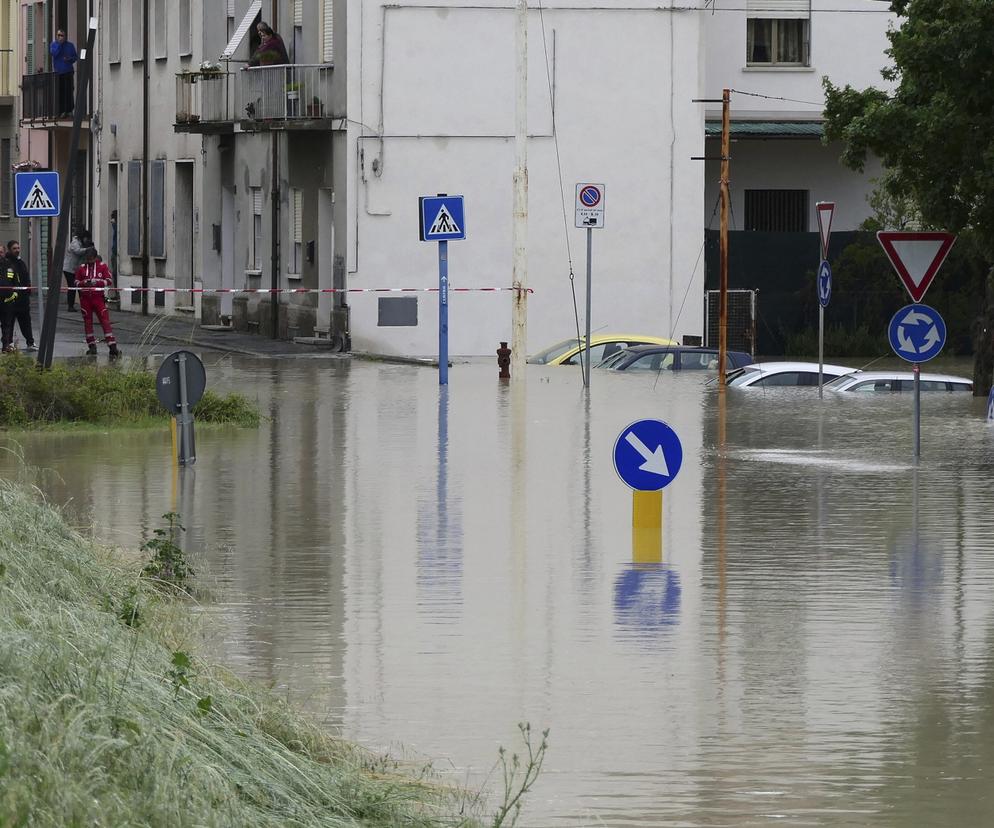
x: 933, y: 131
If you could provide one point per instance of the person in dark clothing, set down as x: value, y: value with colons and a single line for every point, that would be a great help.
x: 271, y: 50
x: 8, y: 281
x: 63, y: 57
x: 22, y: 299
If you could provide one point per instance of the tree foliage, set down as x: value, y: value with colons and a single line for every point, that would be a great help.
x: 933, y: 129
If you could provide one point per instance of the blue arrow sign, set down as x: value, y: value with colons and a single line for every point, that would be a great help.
x: 824, y: 284
x: 442, y: 218
x: 648, y: 455
x: 917, y: 333
x: 36, y: 194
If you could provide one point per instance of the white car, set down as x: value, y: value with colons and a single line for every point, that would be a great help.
x: 780, y: 374
x: 893, y: 382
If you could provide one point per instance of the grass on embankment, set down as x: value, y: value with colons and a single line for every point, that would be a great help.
x: 107, y: 719
x: 82, y: 393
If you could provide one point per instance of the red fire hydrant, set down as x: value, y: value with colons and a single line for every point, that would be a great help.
x: 504, y: 361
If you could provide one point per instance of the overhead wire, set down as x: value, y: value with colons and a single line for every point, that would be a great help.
x: 583, y: 353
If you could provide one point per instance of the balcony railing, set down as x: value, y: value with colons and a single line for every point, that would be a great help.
x: 294, y: 92
x: 42, y: 97
x: 204, y: 97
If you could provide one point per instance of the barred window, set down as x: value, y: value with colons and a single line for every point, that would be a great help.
x: 776, y: 211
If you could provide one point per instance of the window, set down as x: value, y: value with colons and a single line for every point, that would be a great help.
x: 777, y: 41
x: 137, y: 29
x: 185, y: 31
x: 295, y: 264
x: 157, y: 211
x: 327, y: 51
x: 789, y: 378
x: 776, y: 211
x: 255, y: 262
x: 114, y: 31
x: 134, y: 208
x: 6, y: 179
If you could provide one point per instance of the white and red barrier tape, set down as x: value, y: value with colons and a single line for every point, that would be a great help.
x: 275, y: 290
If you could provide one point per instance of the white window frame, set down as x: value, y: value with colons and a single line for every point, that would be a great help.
x: 776, y: 22
x: 255, y: 206
x: 295, y: 263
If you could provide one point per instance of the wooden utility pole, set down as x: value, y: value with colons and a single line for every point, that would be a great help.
x: 723, y: 292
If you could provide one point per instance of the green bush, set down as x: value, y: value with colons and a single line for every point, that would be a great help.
x: 86, y: 393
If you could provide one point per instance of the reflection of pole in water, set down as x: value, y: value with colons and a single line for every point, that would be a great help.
x: 519, y: 502
x: 721, y: 526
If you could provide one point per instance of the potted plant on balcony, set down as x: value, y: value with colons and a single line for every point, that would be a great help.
x: 315, y: 109
x: 293, y: 99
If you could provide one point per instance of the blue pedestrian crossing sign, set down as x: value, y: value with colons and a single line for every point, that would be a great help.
x: 917, y: 333
x: 36, y: 194
x: 648, y: 455
x: 824, y: 284
x: 442, y: 218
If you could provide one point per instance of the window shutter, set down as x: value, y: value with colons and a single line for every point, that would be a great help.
x: 185, y: 30
x: 298, y: 12
x: 29, y: 54
x: 114, y: 31
x: 137, y: 29
x: 254, y: 8
x: 231, y: 8
x: 6, y: 179
x: 257, y: 201
x: 157, y: 212
x: 134, y: 208
x: 778, y: 9
x: 327, y: 49
x: 298, y: 216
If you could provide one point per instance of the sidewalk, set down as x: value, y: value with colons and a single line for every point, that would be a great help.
x: 135, y: 331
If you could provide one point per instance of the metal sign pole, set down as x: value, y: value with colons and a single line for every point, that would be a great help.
x: 918, y: 412
x: 821, y: 349
x: 586, y: 364
x: 35, y: 263
x: 187, y: 452
x: 443, y: 313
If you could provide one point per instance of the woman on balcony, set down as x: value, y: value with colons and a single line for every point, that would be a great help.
x: 271, y: 50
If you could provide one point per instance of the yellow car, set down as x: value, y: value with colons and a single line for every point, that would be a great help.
x: 602, y: 346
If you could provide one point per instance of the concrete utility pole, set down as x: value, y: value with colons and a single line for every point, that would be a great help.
x: 146, y: 173
x: 519, y: 233
x: 723, y: 293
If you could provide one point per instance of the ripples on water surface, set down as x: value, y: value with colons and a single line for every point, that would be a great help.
x: 814, y: 647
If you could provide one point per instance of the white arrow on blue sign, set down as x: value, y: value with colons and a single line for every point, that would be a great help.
x: 36, y: 194
x: 917, y: 333
x: 648, y: 455
x: 824, y: 284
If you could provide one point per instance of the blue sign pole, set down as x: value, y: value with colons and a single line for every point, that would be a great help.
x: 443, y: 313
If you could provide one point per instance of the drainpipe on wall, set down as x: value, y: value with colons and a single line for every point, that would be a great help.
x: 146, y: 177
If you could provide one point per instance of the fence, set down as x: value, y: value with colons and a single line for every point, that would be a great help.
x: 41, y: 96
x: 203, y: 97
x: 741, y: 328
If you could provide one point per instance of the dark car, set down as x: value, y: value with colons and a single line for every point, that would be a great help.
x: 672, y: 358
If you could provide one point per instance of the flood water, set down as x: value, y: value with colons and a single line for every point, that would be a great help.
x: 423, y: 570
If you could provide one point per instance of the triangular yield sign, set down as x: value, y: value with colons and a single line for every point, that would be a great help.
x: 825, y: 210
x: 916, y: 257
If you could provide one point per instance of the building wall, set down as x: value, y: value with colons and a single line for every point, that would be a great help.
x: 9, y: 82
x: 431, y: 109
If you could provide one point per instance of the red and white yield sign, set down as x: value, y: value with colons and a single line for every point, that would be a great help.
x: 825, y: 210
x: 916, y: 257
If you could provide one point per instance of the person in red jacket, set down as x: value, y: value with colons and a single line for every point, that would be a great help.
x: 95, y: 274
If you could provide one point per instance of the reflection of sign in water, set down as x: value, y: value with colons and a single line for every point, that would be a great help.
x: 916, y: 568
x: 990, y: 406
x: 647, y: 596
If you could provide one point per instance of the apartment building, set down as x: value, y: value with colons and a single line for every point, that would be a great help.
x: 10, y: 77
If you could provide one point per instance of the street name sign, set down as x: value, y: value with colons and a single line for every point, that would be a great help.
x: 442, y: 218
x: 825, y: 210
x: 824, y: 284
x: 648, y: 455
x: 36, y: 194
x: 916, y: 257
x: 589, y: 205
x: 917, y: 333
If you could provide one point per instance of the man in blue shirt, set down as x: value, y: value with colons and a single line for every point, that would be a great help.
x: 63, y: 57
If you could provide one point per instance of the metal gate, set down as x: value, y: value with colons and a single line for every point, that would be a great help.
x: 741, y: 331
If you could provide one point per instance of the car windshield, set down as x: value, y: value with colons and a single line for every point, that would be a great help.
x: 613, y: 360
x: 556, y: 351
x: 838, y: 382
x: 742, y: 375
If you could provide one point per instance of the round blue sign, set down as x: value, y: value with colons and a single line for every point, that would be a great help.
x: 917, y: 333
x: 648, y: 455
x: 590, y: 196
x: 824, y: 284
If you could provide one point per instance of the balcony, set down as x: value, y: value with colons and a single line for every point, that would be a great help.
x: 294, y: 96
x: 41, y: 105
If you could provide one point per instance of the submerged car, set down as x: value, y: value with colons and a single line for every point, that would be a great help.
x: 781, y: 374
x: 672, y: 358
x: 894, y: 382
x: 602, y: 346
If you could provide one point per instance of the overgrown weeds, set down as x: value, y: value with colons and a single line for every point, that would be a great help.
x: 85, y: 393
